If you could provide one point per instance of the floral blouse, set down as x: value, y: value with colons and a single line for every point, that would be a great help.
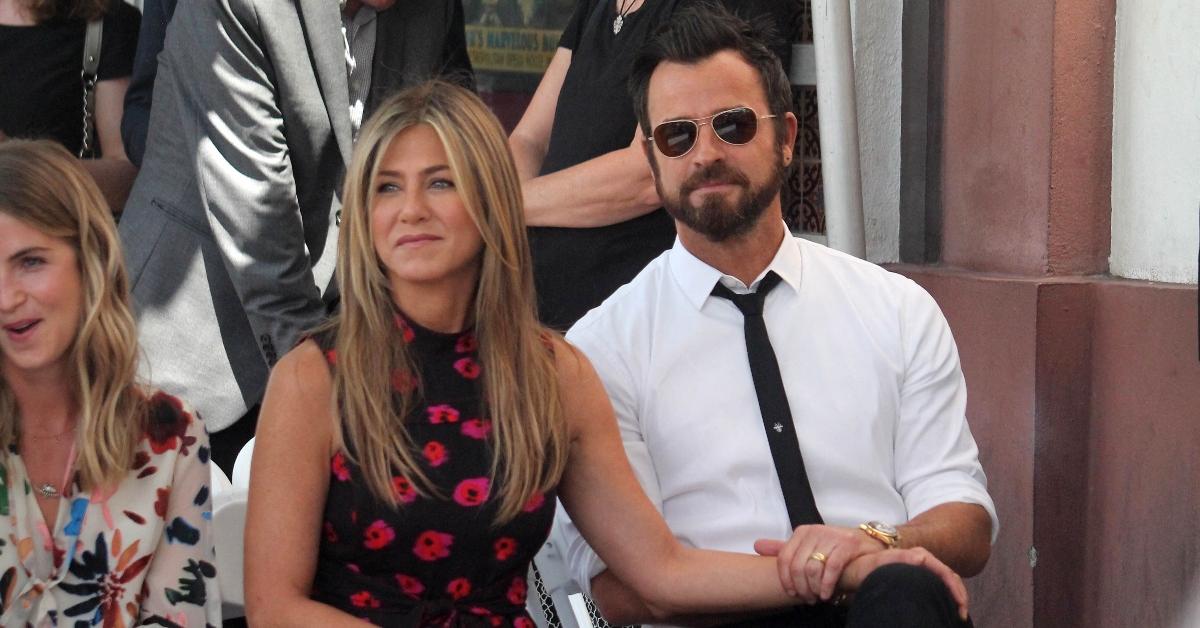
x: 140, y: 555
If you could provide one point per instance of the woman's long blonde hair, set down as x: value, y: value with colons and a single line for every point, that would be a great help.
x: 42, y: 185
x: 520, y: 382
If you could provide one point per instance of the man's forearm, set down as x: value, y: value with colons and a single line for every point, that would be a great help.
x: 959, y: 534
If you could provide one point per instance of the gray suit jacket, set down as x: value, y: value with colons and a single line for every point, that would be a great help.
x: 230, y: 229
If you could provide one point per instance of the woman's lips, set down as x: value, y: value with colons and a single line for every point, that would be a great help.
x: 21, y: 329
x: 416, y: 240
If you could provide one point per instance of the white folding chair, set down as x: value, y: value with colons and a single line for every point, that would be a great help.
x: 229, y: 525
x: 218, y: 481
x: 241, y: 465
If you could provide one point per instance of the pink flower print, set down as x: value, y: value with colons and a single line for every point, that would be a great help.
x: 435, y: 453
x: 505, y: 547
x: 378, y: 535
x: 523, y: 622
x: 467, y: 367
x: 442, y: 413
x: 330, y: 533
x: 338, y: 466
x: 432, y: 545
x: 471, y: 492
x: 364, y: 599
x: 406, y: 330
x: 405, y: 492
x: 517, y: 591
x: 466, y: 343
x: 477, y: 428
x: 331, y: 357
x: 459, y: 588
x: 409, y: 585
x: 403, y: 382
x: 535, y: 502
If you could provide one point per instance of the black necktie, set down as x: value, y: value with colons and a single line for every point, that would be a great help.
x: 772, y: 401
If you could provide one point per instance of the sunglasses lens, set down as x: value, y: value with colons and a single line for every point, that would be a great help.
x: 675, y: 138
x: 736, y: 126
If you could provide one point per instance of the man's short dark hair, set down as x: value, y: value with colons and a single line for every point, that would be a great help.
x: 697, y: 32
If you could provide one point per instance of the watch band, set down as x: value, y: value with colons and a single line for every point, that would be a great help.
x: 883, y: 532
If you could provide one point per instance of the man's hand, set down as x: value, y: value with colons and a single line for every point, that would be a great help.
x: 852, y: 573
x: 808, y: 578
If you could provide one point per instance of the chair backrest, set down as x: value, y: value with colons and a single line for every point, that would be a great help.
x: 219, y: 481
x: 229, y: 525
x: 241, y: 466
x: 554, y: 599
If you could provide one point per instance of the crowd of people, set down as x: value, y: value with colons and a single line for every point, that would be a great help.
x: 332, y: 246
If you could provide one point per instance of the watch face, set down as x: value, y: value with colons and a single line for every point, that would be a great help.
x: 885, y: 528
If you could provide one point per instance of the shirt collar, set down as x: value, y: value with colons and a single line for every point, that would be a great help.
x: 697, y: 278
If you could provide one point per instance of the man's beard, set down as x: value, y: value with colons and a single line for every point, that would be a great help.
x: 714, y: 218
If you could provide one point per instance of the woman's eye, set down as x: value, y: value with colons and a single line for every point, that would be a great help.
x: 441, y: 184
x: 385, y: 188
x: 31, y: 261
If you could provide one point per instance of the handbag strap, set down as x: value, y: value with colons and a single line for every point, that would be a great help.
x: 91, y: 63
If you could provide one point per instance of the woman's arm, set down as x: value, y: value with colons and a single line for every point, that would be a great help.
x: 290, y: 478
x: 112, y: 172
x: 669, y: 579
x: 181, y: 584
x: 608, y: 189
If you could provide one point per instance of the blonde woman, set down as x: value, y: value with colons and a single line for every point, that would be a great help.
x: 104, y: 498
x: 409, y: 453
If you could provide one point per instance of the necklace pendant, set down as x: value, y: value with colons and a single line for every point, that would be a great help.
x: 618, y: 23
x: 47, y: 490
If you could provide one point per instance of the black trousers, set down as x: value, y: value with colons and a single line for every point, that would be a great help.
x: 228, y: 442
x: 893, y: 596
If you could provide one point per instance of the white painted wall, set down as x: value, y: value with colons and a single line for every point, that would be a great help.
x: 877, y: 79
x: 1156, y: 141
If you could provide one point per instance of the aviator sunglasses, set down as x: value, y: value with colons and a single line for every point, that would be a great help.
x: 737, y: 126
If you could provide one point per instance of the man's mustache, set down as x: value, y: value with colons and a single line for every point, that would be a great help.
x: 716, y: 172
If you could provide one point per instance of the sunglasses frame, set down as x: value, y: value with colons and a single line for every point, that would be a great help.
x: 703, y: 121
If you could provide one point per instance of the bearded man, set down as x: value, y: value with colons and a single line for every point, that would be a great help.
x: 775, y: 395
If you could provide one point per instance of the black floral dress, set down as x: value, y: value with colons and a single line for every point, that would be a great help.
x: 436, y: 561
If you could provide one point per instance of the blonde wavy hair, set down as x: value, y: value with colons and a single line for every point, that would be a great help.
x: 520, y: 382
x: 43, y: 185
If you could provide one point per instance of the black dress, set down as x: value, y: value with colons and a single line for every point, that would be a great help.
x: 41, y: 93
x: 576, y: 269
x: 434, y: 561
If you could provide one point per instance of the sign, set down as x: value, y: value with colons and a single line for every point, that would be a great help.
x: 511, y: 49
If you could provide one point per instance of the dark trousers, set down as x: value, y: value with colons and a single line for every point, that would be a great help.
x: 228, y: 442
x: 893, y: 596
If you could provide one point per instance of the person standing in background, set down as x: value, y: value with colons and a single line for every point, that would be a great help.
x: 41, y: 90
x: 156, y: 14
x: 230, y: 229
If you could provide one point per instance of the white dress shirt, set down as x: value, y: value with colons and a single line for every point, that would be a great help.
x: 358, y: 35
x: 872, y: 378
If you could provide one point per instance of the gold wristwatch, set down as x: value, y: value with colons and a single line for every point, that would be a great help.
x: 885, y: 533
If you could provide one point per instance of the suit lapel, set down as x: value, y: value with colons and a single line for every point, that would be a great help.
x: 322, y: 27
